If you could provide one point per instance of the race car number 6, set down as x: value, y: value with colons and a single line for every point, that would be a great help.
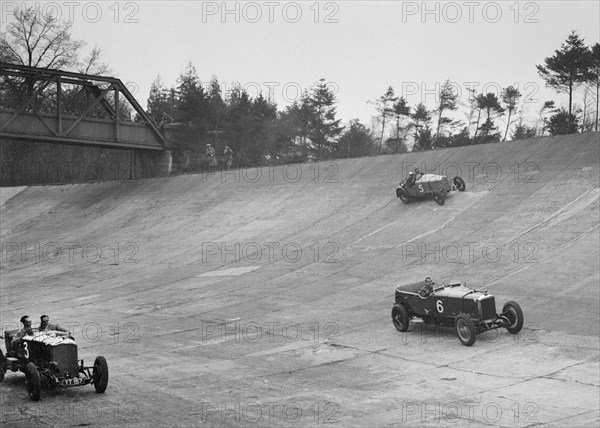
x: 439, y: 306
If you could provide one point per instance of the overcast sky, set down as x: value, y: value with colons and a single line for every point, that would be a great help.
x: 361, y: 47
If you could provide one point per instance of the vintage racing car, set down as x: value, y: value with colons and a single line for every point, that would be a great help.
x: 423, y: 185
x: 50, y: 357
x: 469, y: 311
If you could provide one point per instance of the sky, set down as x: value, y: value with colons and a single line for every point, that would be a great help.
x: 281, y: 48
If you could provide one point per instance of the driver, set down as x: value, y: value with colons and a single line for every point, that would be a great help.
x: 410, y: 180
x: 26, y: 330
x: 427, y: 288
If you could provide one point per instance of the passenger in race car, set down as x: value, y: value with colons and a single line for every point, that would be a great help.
x: 46, y: 326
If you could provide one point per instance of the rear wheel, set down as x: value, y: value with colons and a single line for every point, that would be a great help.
x: 439, y: 198
x: 513, y: 312
x: 459, y: 183
x: 34, y: 383
x: 100, y: 374
x: 400, y: 318
x: 401, y: 193
x: 465, y: 329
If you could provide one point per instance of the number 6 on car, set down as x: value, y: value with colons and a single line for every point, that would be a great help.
x: 469, y: 311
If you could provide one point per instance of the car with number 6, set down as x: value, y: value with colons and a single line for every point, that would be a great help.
x: 50, y: 358
x: 470, y: 312
x: 418, y: 185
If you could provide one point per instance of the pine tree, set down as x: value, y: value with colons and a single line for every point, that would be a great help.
x: 448, y: 101
x: 324, y: 127
x: 567, y: 68
x: 510, y: 97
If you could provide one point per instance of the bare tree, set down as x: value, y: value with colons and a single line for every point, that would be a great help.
x: 39, y: 40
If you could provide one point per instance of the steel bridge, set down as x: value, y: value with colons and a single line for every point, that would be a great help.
x: 36, y: 105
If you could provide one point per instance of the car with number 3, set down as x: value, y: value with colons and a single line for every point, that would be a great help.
x: 50, y: 358
x: 470, y: 312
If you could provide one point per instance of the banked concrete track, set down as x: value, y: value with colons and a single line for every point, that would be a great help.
x: 263, y: 297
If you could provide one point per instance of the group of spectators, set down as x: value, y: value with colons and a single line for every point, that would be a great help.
x: 211, y: 156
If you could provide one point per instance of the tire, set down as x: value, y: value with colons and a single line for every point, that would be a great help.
x: 400, y: 318
x: 459, y: 183
x: 465, y: 329
x: 2, y: 365
x: 439, y: 198
x: 100, y: 374
x: 401, y: 193
x: 513, y: 312
x: 34, y: 383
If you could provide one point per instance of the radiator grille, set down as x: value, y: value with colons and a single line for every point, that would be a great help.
x: 65, y: 356
x: 488, y: 308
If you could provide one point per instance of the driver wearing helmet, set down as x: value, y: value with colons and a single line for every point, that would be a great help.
x: 418, y: 174
x: 427, y: 288
x: 410, y: 180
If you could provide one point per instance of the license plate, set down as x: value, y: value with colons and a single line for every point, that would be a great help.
x: 72, y: 382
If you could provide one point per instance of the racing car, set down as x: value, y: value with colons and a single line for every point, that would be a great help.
x: 50, y: 357
x: 469, y: 311
x: 425, y: 185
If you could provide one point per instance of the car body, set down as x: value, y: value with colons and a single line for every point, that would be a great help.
x: 469, y: 311
x: 50, y: 357
x: 426, y: 185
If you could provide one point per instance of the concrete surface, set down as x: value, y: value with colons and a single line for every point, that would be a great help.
x: 263, y: 297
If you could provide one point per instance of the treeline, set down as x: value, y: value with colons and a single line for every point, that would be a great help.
x: 309, y: 130
x: 252, y: 126
x: 573, y: 66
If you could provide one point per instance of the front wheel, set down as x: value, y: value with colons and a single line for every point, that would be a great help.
x: 2, y: 365
x: 439, y: 198
x: 401, y: 193
x: 34, y: 383
x: 400, y: 318
x: 514, y: 314
x: 465, y: 329
x: 459, y: 183
x: 100, y: 374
